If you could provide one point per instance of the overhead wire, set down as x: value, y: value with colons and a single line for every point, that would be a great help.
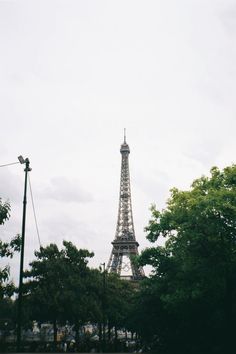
x: 8, y: 164
x: 32, y: 201
x: 35, y: 218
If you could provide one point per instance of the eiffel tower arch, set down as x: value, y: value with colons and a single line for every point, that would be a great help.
x: 125, y: 245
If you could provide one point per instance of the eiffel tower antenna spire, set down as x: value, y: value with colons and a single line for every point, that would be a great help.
x: 125, y: 245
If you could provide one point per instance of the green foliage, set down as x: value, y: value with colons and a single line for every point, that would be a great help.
x: 189, y: 304
x: 8, y: 314
x: 4, y: 211
x: 56, y: 286
x: 118, y: 297
x: 7, y: 288
x: 7, y: 249
x: 61, y: 288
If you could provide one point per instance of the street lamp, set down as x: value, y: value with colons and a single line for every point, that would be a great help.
x: 21, y: 159
x: 19, y: 309
x: 103, y: 306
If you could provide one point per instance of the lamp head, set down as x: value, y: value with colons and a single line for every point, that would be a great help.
x: 21, y: 159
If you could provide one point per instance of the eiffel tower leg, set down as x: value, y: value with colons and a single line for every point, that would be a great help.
x: 137, y: 271
x: 109, y: 262
x: 120, y: 263
x: 134, y: 270
x: 114, y: 263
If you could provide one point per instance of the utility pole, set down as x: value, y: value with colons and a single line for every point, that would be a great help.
x: 103, y: 307
x: 19, y: 309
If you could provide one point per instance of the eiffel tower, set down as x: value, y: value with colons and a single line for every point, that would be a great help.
x: 125, y: 245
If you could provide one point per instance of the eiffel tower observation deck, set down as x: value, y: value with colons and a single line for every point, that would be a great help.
x: 125, y: 245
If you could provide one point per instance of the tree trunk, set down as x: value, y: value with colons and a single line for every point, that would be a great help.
x: 100, y: 336
x: 109, y: 332
x: 55, y: 333
x: 116, y: 337
x: 229, y: 317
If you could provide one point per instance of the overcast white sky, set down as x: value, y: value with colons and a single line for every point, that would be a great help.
x: 73, y: 74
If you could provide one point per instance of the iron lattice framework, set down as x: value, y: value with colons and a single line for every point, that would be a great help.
x: 125, y: 244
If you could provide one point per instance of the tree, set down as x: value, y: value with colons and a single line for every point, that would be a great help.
x: 4, y: 211
x: 113, y: 301
x: 192, y: 292
x: 118, y: 297
x: 56, y: 289
x: 7, y: 288
x: 7, y: 249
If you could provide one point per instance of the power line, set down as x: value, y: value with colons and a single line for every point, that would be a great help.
x: 32, y: 200
x: 8, y: 164
x: 35, y: 218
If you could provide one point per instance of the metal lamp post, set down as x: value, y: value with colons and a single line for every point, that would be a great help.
x: 103, y: 307
x: 19, y: 309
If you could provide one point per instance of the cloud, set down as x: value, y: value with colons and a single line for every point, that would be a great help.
x: 65, y: 226
x: 65, y: 190
x: 11, y: 186
x: 206, y: 152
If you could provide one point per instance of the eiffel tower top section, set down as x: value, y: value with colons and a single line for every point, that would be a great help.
x: 124, y: 149
x: 125, y: 225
